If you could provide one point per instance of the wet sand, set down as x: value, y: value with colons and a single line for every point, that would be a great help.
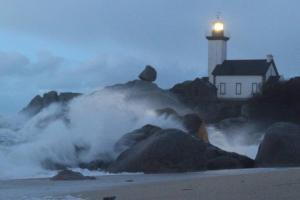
x: 268, y: 184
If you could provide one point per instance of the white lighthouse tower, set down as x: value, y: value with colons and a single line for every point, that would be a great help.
x: 217, y: 46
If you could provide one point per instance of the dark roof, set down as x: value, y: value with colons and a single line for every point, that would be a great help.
x: 243, y: 67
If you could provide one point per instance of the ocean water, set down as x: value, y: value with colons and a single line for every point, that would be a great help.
x: 84, y: 131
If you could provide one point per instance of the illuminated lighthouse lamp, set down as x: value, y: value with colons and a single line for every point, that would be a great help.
x: 218, y: 26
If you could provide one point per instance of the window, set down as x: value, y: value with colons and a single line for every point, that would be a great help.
x: 254, y: 88
x: 222, y: 88
x: 238, y: 88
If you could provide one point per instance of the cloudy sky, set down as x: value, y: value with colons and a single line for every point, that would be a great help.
x: 80, y: 45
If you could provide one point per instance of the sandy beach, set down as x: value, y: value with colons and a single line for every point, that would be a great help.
x: 224, y: 185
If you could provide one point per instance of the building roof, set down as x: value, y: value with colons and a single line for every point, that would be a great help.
x: 243, y: 68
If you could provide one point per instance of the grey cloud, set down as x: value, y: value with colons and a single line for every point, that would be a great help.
x: 125, y: 35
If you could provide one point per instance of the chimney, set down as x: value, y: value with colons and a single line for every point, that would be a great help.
x: 269, y: 58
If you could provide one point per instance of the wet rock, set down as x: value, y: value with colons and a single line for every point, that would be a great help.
x: 172, y: 150
x: 68, y: 175
x: 280, y: 146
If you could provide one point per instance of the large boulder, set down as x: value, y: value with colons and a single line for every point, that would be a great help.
x: 148, y: 74
x: 172, y: 150
x: 280, y: 146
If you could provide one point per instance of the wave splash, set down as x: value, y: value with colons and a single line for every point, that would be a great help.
x: 90, y: 123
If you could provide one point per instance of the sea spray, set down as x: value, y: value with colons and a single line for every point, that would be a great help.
x: 237, y: 143
x: 92, y: 123
x: 84, y: 130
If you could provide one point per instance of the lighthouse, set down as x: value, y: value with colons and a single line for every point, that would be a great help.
x: 236, y: 79
x: 217, y: 46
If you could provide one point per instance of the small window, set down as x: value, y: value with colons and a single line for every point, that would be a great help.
x: 238, y: 88
x: 222, y: 88
x: 254, y: 88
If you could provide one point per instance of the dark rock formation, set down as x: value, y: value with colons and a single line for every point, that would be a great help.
x: 68, y: 175
x: 132, y: 138
x: 279, y: 101
x: 40, y: 102
x: 172, y: 150
x: 149, y: 74
x: 201, y: 96
x: 280, y: 146
x: 193, y: 93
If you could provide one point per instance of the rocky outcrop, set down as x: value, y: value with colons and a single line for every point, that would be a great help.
x: 201, y: 96
x: 40, y: 102
x: 148, y: 74
x: 279, y: 101
x: 68, y: 175
x: 280, y: 146
x: 172, y: 150
x: 193, y: 93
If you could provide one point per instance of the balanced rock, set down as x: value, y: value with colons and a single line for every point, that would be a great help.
x: 280, y: 146
x: 149, y: 74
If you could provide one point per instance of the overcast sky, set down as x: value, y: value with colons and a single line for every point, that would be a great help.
x: 81, y: 45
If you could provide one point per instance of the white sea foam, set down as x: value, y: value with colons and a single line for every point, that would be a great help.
x: 93, y: 123
x: 236, y: 144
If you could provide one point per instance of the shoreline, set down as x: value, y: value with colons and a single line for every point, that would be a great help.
x: 261, y: 183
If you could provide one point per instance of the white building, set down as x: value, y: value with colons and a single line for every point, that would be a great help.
x: 235, y: 79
